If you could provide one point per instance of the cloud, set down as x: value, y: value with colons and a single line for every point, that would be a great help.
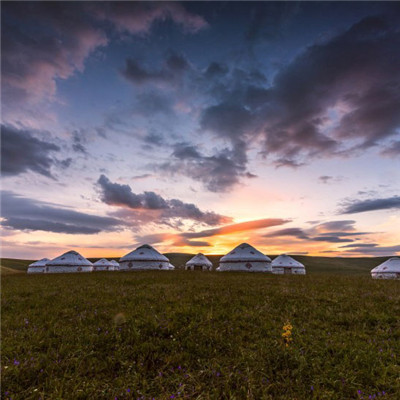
x: 296, y: 232
x: 337, y: 97
x: 393, y: 150
x: 331, y: 232
x: 359, y: 206
x: 374, y: 250
x: 138, y: 17
x: 326, y: 179
x: 35, y: 55
x: 122, y: 195
x: 22, y: 152
x: 236, y: 228
x: 43, y: 42
x: 23, y: 213
x: 356, y: 73
x: 342, y: 225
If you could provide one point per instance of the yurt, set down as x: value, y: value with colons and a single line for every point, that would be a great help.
x: 390, y: 269
x: 245, y: 258
x: 71, y: 261
x: 170, y: 267
x: 287, y: 265
x: 103, y: 265
x: 38, y: 267
x: 144, y: 258
x: 115, y: 265
x: 199, y: 262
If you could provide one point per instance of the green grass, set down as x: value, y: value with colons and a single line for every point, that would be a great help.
x: 199, y: 335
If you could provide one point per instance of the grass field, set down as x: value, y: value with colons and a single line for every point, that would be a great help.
x: 197, y: 335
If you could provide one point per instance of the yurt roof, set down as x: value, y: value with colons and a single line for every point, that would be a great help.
x: 70, y: 258
x: 286, y: 261
x: 40, y: 263
x: 103, y: 263
x: 245, y: 252
x: 390, y: 265
x: 144, y: 253
x: 114, y: 262
x: 199, y: 259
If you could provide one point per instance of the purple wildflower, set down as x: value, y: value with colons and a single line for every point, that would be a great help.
x: 312, y: 388
x: 16, y: 362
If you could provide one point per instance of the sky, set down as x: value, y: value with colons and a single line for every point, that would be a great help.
x: 196, y: 126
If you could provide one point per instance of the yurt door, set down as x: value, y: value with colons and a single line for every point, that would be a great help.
x: 287, y: 271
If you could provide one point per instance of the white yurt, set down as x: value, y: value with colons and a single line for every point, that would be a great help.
x: 170, y: 267
x: 115, y: 265
x: 390, y: 269
x: 199, y: 262
x: 70, y: 261
x: 103, y: 265
x: 286, y: 265
x: 144, y: 258
x: 245, y: 258
x: 38, y: 267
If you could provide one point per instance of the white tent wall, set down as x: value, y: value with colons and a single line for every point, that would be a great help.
x: 143, y: 265
x: 249, y: 266
x: 288, y: 271
x: 38, y: 267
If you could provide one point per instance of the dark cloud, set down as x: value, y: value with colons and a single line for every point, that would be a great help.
x: 360, y: 69
x: 42, y: 42
x: 375, y: 250
x: 216, y: 70
x: 342, y: 225
x: 358, y: 206
x: 359, y: 245
x: 138, y: 17
x: 21, y: 151
x: 331, y: 239
x: 27, y: 214
x: 122, y: 195
x: 229, y: 120
x: 330, y: 232
x: 218, y: 173
x: 78, y: 143
x: 325, y: 179
x: 169, y: 74
x: 137, y: 74
x: 296, y: 232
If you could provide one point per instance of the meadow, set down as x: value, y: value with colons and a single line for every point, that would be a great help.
x: 200, y: 335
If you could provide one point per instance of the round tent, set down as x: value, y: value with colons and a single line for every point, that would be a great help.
x: 199, y: 262
x: 103, y: 265
x: 390, y: 269
x: 38, y: 267
x: 171, y: 267
x: 245, y: 258
x: 70, y: 261
x: 287, y: 265
x: 144, y: 258
x: 115, y: 265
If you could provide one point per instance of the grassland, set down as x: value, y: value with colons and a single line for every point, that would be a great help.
x: 197, y: 335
